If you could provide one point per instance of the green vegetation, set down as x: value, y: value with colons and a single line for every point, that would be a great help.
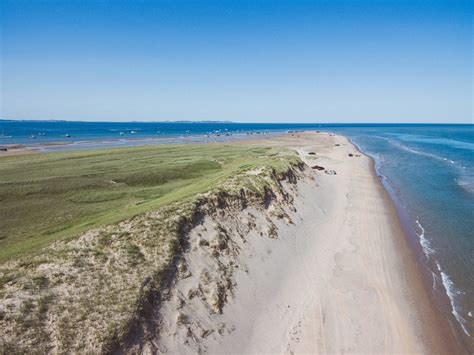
x: 49, y: 196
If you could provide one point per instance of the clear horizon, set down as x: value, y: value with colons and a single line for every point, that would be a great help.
x: 241, y: 61
x: 459, y: 122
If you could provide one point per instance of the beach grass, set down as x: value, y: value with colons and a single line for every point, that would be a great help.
x: 45, y: 197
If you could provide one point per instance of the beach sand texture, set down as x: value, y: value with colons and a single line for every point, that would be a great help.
x: 339, y: 278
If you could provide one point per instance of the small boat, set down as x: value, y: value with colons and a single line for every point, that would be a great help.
x: 133, y: 132
x: 67, y: 135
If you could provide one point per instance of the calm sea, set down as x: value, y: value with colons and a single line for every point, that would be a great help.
x: 428, y: 169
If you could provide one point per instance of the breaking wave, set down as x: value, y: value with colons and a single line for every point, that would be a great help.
x: 425, y: 243
x: 453, y: 295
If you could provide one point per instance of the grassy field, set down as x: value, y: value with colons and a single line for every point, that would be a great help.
x: 48, y: 196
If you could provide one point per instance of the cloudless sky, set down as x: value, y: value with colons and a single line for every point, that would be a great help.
x: 263, y: 61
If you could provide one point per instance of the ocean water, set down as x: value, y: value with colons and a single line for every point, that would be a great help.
x: 427, y: 169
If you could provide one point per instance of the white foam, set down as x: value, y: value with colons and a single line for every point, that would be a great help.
x: 425, y: 243
x: 453, y: 294
x: 434, y: 280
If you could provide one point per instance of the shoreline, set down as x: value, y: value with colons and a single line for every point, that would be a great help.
x: 413, y: 252
x: 437, y: 334
x: 436, y: 331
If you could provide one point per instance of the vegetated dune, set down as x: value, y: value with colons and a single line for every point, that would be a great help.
x: 99, y: 292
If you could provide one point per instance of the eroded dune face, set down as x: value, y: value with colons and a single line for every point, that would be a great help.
x: 216, y: 296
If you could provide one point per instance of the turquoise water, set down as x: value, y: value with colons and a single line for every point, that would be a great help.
x: 428, y: 169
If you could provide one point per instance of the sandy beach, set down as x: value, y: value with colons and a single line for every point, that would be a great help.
x: 338, y: 279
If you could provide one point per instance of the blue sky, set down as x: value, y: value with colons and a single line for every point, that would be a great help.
x: 247, y: 61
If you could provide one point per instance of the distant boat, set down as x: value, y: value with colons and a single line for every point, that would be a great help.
x: 67, y: 135
x: 133, y: 132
